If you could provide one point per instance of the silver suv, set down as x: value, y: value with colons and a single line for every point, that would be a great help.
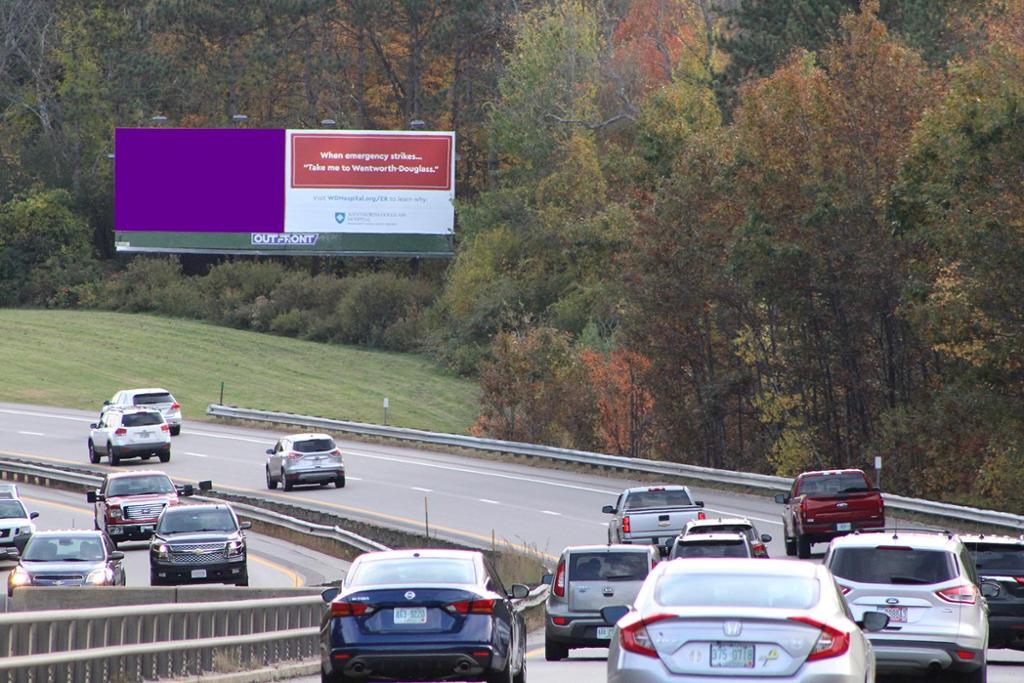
x: 927, y: 584
x: 588, y: 578
x: 305, y: 459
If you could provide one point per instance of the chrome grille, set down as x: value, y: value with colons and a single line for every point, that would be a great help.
x: 143, y: 510
x: 4, y: 533
x: 198, y: 553
x: 57, y: 577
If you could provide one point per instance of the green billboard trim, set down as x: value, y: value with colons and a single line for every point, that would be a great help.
x: 294, y: 244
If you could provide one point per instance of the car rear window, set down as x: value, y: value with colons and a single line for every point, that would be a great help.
x: 736, y: 590
x: 711, y: 549
x: 141, y: 419
x: 990, y: 557
x: 829, y: 484
x: 313, y: 445
x: 657, y: 499
x: 152, y: 399
x: 413, y: 571
x: 893, y: 565
x: 608, y: 566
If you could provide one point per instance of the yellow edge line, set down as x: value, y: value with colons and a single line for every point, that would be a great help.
x: 536, y: 652
x: 346, y: 508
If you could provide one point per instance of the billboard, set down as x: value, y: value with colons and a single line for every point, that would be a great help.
x: 284, y: 191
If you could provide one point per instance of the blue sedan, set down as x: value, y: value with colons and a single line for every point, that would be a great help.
x: 423, y: 615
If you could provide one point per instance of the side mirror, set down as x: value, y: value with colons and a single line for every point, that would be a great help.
x: 94, y: 496
x: 612, y: 614
x: 116, y: 556
x: 699, y: 503
x: 106, y: 403
x: 519, y: 592
x: 990, y: 589
x: 874, y: 621
x: 186, y: 490
x: 547, y: 579
x: 94, y: 425
x: 206, y: 485
x: 609, y: 510
x: 33, y: 515
x: 270, y: 451
x: 781, y: 498
x: 329, y: 594
x: 766, y: 538
x: 245, y: 525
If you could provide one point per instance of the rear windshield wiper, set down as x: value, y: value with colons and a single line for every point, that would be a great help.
x: 908, y: 579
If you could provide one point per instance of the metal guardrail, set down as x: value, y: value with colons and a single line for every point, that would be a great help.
x: 153, y: 641
x: 955, y: 514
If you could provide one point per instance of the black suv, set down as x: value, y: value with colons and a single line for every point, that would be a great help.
x: 1000, y: 559
x: 198, y: 544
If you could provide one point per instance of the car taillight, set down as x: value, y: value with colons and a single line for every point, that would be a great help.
x: 471, y: 607
x: 964, y: 594
x: 165, y: 427
x: 1019, y: 579
x: 633, y: 635
x: 701, y: 515
x: 350, y: 609
x: 831, y: 641
x: 559, y: 621
x: 175, y: 406
x: 292, y: 455
x: 625, y: 524
x: 558, y: 587
x: 120, y: 431
x: 844, y: 589
x: 336, y: 452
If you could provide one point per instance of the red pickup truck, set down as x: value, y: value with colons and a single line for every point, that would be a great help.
x: 127, y: 505
x: 826, y: 504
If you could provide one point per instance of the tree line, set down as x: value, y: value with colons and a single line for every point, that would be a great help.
x: 746, y: 234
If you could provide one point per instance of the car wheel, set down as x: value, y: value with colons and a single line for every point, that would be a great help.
x: 112, y: 457
x: 94, y: 457
x: 339, y: 482
x: 175, y: 430
x: 521, y: 676
x: 271, y: 482
x: 555, y: 652
x: 803, y: 547
x: 165, y: 457
x: 979, y: 675
x: 287, y: 484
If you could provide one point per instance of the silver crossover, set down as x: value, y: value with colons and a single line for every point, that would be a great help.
x: 305, y: 459
x: 730, y: 620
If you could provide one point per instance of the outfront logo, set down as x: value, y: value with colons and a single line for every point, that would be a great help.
x: 284, y: 239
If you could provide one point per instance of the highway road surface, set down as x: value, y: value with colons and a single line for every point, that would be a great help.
x: 468, y: 498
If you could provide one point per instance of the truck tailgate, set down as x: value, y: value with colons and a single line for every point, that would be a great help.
x: 843, y: 507
x: 660, y: 523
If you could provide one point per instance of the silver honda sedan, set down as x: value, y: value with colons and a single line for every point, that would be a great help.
x: 732, y: 620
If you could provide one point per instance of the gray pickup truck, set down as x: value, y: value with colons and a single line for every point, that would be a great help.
x: 653, y: 515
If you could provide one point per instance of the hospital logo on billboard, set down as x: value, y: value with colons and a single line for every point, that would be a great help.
x: 339, y: 217
x: 284, y: 239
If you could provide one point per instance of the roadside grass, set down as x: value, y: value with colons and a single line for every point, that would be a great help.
x: 77, y: 359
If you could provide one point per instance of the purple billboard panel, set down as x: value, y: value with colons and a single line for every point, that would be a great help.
x: 207, y: 180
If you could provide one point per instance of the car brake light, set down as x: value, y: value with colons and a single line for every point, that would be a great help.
x: 633, y: 635
x: 964, y: 594
x: 350, y: 609
x: 165, y: 427
x: 558, y: 587
x: 701, y: 515
x: 559, y: 621
x: 657, y: 488
x: 175, y: 406
x: 625, y: 524
x: 471, y: 607
x: 336, y: 452
x: 120, y: 431
x: 965, y: 654
x: 831, y: 642
x: 1019, y: 579
x: 292, y: 455
x: 844, y: 589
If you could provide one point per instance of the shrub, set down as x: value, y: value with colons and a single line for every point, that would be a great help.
x: 375, y: 302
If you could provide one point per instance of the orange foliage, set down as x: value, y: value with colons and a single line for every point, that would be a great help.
x: 650, y: 39
x: 624, y: 405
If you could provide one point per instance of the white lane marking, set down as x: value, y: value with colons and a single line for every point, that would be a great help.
x: 211, y: 435
x: 198, y: 455
x: 468, y: 470
x: 605, y: 524
x: 489, y: 501
x: 353, y: 478
x: 32, y: 433
x: 549, y: 512
x: 743, y: 514
x: 47, y: 415
x: 420, y: 488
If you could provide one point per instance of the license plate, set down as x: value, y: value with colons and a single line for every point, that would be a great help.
x: 605, y: 632
x: 146, y: 527
x: 844, y: 526
x: 897, y: 615
x: 732, y: 656
x: 198, y: 573
x: 410, y: 615
x: 144, y: 434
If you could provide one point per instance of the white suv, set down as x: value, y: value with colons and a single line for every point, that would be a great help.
x: 927, y: 584
x: 130, y: 433
x: 157, y: 399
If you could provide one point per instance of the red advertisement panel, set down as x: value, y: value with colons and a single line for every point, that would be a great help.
x: 369, y: 161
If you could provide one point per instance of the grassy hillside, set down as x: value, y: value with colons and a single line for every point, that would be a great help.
x: 77, y: 359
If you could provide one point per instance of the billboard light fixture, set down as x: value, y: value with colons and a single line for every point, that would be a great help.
x: 158, y: 119
x: 328, y: 122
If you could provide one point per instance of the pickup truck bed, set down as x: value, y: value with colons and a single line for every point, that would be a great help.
x: 652, y: 515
